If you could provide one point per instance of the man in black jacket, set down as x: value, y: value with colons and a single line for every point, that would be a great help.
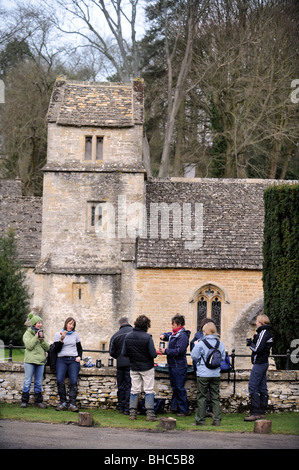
x: 123, y: 365
x: 139, y: 348
x: 257, y: 387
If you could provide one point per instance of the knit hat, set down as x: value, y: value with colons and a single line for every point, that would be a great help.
x: 34, y: 318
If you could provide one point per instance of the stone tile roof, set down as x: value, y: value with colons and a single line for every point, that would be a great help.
x: 96, y: 104
x: 233, y: 219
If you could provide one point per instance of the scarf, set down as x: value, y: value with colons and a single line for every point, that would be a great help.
x: 68, y: 332
x: 176, y: 330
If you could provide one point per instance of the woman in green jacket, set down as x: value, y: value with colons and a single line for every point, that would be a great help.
x: 34, y: 360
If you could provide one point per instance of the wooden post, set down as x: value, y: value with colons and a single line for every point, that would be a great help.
x: 167, y: 424
x: 85, y: 419
x: 262, y: 426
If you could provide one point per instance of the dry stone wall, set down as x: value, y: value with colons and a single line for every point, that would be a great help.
x: 97, y: 388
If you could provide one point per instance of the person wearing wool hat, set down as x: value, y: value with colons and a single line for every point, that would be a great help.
x: 36, y: 347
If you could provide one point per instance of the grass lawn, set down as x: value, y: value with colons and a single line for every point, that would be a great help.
x: 282, y: 423
x: 17, y: 354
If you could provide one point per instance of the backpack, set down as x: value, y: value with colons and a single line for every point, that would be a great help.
x: 52, y: 357
x: 213, y: 359
x: 159, y: 404
x: 225, y: 365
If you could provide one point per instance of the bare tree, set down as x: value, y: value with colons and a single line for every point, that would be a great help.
x: 93, y: 21
x: 245, y: 70
x: 186, y: 28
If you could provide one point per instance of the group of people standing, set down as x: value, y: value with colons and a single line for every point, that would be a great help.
x: 135, y: 352
x: 134, y: 349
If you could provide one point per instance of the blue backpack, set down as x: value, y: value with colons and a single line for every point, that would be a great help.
x: 225, y: 365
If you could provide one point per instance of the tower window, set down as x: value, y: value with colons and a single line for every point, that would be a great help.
x: 88, y: 148
x: 99, y: 148
x: 94, y: 215
x: 79, y: 292
x: 94, y: 146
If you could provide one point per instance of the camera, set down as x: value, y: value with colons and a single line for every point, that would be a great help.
x: 248, y: 341
x: 40, y: 334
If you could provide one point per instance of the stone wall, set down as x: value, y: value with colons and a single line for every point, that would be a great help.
x: 97, y: 388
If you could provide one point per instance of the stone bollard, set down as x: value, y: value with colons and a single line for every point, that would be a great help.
x: 262, y: 426
x: 85, y: 419
x: 167, y: 424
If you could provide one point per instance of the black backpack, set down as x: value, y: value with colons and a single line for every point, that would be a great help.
x: 52, y: 357
x: 213, y: 360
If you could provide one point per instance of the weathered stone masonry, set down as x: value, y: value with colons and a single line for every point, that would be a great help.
x: 97, y: 388
x: 73, y: 272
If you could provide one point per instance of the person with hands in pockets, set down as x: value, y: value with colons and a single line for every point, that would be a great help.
x: 207, y: 378
x: 178, y: 340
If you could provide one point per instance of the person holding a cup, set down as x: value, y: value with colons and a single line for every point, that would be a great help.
x: 178, y: 340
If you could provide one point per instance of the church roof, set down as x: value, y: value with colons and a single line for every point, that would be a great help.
x: 226, y: 231
x: 102, y: 104
x: 229, y: 235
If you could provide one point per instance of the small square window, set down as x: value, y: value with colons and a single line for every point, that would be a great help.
x: 94, y: 215
x: 94, y: 148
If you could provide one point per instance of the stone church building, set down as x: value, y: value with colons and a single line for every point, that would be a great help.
x: 105, y: 241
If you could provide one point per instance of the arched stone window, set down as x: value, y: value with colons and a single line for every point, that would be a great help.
x: 209, y: 300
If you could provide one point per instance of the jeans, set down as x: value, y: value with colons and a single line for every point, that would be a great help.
x: 179, y: 402
x: 37, y: 371
x: 123, y: 388
x: 203, y: 384
x: 67, y: 363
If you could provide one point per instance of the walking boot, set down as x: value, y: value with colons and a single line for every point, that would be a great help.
x: 39, y: 401
x: 73, y: 396
x: 134, y: 397
x: 62, y: 396
x: 255, y: 408
x: 149, y: 406
x: 25, y: 399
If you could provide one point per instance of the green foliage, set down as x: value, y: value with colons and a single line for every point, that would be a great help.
x: 280, y: 269
x: 14, y: 295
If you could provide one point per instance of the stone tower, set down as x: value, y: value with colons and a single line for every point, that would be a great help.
x: 94, y: 171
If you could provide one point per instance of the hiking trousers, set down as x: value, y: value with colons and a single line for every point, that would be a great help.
x: 203, y: 385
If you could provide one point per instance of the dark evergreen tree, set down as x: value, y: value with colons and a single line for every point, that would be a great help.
x: 280, y: 269
x: 14, y: 294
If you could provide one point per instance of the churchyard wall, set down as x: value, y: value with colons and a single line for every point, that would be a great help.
x: 97, y: 388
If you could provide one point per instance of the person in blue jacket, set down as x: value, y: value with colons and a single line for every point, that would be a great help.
x: 206, y: 377
x: 199, y: 335
x: 178, y: 340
